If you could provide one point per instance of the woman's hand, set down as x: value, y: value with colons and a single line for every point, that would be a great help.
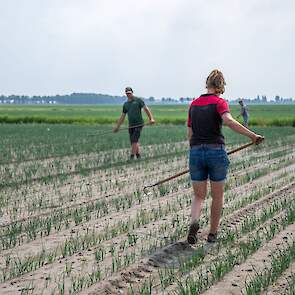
x: 257, y: 139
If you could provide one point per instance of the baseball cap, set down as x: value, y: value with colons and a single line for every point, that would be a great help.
x: 128, y: 90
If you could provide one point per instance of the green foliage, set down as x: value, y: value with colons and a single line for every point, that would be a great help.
x: 260, y: 115
x: 77, y: 204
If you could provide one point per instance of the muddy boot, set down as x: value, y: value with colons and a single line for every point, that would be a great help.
x: 138, y: 156
x: 192, y: 233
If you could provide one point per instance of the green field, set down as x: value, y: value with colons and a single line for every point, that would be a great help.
x: 261, y: 115
x: 74, y: 216
x: 40, y: 141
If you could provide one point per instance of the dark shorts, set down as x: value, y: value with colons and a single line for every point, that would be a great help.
x: 208, y: 161
x: 134, y: 134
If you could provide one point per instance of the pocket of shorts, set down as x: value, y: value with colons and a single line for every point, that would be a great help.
x: 194, y: 156
x: 219, y: 155
x: 195, y: 152
x: 216, y: 152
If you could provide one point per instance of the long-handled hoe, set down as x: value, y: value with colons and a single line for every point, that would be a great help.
x: 187, y: 170
x: 112, y: 131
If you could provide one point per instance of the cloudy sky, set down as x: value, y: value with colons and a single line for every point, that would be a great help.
x: 159, y: 47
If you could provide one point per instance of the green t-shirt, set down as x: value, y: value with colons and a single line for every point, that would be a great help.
x: 133, y: 109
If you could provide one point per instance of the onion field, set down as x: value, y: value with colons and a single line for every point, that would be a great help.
x: 260, y: 115
x: 74, y: 218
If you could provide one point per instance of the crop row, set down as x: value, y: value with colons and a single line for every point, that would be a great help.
x: 59, y: 219
x: 99, y: 184
x: 123, y: 261
x: 225, y: 260
x: 83, y: 164
x: 88, y: 191
x: 228, y: 236
x: 281, y: 259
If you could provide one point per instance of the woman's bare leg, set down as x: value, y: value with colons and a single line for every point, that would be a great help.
x: 200, y: 191
x: 217, y: 204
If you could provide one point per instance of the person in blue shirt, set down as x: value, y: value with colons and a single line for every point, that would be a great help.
x: 244, y: 113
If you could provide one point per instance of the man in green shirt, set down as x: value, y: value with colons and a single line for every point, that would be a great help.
x: 132, y: 107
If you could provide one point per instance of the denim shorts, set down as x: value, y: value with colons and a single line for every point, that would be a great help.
x: 208, y: 161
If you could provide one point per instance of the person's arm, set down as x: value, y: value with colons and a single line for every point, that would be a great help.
x: 229, y: 121
x: 189, y: 126
x: 119, y: 122
x: 149, y: 114
x: 189, y: 133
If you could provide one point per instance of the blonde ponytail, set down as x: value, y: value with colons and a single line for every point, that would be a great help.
x: 216, y: 81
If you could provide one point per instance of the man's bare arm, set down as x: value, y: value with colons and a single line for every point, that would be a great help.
x: 119, y: 122
x: 149, y: 114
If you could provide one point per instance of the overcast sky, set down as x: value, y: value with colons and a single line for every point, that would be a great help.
x: 159, y: 47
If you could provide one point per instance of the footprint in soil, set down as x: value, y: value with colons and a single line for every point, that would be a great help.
x: 127, y: 277
x: 171, y: 255
x: 118, y: 284
x: 157, y: 261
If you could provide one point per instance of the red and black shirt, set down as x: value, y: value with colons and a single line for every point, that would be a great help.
x: 204, y: 117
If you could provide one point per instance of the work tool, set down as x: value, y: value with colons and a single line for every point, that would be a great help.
x: 187, y: 170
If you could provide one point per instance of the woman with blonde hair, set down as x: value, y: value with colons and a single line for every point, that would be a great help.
x: 207, y: 157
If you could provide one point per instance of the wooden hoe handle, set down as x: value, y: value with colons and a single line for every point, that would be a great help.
x: 187, y: 170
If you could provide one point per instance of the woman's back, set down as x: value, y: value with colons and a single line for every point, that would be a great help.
x: 205, y: 119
